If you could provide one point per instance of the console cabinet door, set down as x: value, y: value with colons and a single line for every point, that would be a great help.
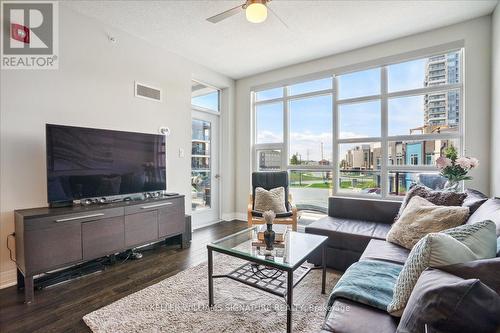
x: 171, y: 218
x: 141, y: 228
x: 102, y: 237
x: 51, y: 248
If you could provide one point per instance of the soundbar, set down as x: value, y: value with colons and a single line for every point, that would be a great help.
x: 133, y: 197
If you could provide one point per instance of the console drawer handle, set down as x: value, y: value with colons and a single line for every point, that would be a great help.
x: 79, y: 217
x: 156, y: 205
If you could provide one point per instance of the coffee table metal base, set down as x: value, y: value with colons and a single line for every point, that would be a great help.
x: 288, y: 279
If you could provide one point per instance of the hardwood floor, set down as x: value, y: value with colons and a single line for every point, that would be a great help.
x: 61, y: 308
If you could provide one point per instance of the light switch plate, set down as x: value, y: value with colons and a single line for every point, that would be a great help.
x: 181, y: 153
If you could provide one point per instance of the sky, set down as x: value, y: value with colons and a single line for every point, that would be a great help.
x: 311, y: 118
x: 208, y: 101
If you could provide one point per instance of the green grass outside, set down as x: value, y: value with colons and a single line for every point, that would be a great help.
x: 344, y: 185
x: 295, y: 177
x: 322, y: 184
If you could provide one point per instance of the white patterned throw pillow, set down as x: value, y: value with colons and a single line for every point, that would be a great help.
x: 274, y: 200
x: 422, y: 217
x: 457, y: 245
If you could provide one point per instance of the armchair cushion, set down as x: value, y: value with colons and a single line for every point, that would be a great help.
x: 274, y: 200
x: 256, y: 213
x: 268, y: 181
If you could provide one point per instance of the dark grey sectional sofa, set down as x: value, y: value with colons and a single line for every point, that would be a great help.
x: 356, y: 230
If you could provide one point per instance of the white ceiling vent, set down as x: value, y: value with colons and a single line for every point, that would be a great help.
x: 148, y: 92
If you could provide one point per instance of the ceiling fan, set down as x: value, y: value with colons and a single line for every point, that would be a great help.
x: 255, y: 12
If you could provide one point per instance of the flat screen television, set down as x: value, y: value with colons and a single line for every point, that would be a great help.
x: 89, y: 162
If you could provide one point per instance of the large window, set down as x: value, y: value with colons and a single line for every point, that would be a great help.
x: 369, y: 132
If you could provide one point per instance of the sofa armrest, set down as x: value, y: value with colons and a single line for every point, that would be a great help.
x: 384, y: 211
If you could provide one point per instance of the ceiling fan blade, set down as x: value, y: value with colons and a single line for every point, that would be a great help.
x: 226, y: 14
x: 279, y: 18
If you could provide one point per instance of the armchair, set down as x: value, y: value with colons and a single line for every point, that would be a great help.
x: 269, y: 180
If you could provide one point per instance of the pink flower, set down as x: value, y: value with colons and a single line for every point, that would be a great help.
x: 443, y: 162
x: 464, y: 163
x: 474, y: 162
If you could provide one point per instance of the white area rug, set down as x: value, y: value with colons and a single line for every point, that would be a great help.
x: 180, y: 304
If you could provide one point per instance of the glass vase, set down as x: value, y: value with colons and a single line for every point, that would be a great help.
x: 453, y: 186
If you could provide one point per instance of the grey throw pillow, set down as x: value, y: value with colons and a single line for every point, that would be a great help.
x: 447, y: 303
x: 474, y: 200
x: 440, y: 198
x: 490, y: 210
x: 274, y: 200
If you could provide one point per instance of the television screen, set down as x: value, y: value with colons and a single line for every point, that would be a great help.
x: 88, y: 162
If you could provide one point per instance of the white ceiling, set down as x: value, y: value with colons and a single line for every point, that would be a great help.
x: 237, y: 48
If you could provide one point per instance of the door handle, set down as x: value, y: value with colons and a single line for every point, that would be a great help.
x: 67, y: 219
x: 156, y: 205
x: 217, y: 176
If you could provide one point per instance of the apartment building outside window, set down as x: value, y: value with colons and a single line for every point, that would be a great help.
x: 368, y: 132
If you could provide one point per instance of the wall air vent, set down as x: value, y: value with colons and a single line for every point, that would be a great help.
x: 148, y: 92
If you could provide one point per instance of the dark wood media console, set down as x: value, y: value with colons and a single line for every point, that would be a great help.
x: 52, y: 238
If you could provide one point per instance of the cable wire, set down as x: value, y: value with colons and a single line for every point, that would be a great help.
x: 10, y: 250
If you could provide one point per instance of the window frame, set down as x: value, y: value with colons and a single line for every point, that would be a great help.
x: 384, y: 96
x: 208, y: 110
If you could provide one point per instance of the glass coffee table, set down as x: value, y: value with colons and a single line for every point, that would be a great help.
x: 277, y: 271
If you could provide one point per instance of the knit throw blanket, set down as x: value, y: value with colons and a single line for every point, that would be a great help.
x: 370, y: 282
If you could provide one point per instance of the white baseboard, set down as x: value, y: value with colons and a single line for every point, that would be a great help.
x: 206, y: 224
x: 8, y: 278
x: 240, y: 216
x: 234, y: 216
x: 228, y: 216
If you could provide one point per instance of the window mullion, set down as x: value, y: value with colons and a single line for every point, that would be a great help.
x: 253, y: 123
x: 384, y: 127
x: 286, y: 130
x: 335, y: 136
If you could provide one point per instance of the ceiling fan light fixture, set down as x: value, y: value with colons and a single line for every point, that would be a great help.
x: 256, y: 11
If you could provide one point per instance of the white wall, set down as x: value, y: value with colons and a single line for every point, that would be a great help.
x: 476, y: 37
x: 495, y: 103
x: 94, y: 87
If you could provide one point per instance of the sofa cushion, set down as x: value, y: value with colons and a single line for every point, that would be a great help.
x: 485, y: 270
x: 448, y: 303
x: 348, y: 234
x: 490, y: 210
x: 474, y: 200
x: 350, y: 317
x: 421, y: 217
x: 440, y: 198
x: 375, y: 210
x: 381, y: 250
